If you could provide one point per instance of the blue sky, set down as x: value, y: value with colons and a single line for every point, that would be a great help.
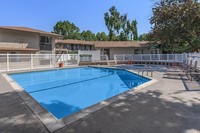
x: 86, y: 14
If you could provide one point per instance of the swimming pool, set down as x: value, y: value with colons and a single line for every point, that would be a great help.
x: 66, y: 91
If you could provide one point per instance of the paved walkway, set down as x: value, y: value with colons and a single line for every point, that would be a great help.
x: 15, y: 116
x: 163, y: 107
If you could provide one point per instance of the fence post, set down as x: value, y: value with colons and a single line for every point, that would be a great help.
x: 50, y: 63
x: 63, y: 59
x: 54, y: 60
x: 167, y: 57
x: 66, y: 59
x: 78, y: 58
x: 175, y: 57
x: 8, y: 65
x: 183, y: 57
x: 114, y: 58
x: 150, y: 56
x: 106, y: 57
x: 31, y: 61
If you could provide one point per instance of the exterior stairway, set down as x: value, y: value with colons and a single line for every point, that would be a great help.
x: 111, y: 62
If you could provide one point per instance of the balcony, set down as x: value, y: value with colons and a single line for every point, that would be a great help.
x: 45, y: 47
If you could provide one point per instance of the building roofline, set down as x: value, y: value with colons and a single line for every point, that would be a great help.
x: 107, y: 44
x: 71, y: 41
x: 31, y: 30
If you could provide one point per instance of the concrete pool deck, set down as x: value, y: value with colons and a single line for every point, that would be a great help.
x: 165, y: 106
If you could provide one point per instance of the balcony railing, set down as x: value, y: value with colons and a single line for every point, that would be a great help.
x: 45, y: 47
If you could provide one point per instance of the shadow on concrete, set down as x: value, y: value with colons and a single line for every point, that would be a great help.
x: 191, y: 85
x: 143, y: 112
x: 188, y: 84
x: 16, y: 117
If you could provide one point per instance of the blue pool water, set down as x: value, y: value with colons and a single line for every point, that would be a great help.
x: 67, y: 91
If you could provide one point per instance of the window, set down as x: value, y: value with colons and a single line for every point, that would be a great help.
x: 154, y: 51
x: 66, y: 46
x: 45, y: 43
x: 107, y: 52
x: 45, y: 39
x: 72, y: 47
x: 58, y: 46
x: 76, y: 47
x: 138, y: 51
x: 81, y: 47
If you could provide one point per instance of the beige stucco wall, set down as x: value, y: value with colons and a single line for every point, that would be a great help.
x: 124, y: 51
x: 19, y: 37
x: 120, y: 51
x: 32, y: 39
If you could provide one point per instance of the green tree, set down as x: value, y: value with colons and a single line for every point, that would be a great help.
x: 113, y: 22
x: 145, y: 37
x: 176, y: 25
x: 88, y: 36
x: 125, y: 33
x: 101, y: 36
x: 119, y: 26
x: 67, y: 29
x: 134, y: 29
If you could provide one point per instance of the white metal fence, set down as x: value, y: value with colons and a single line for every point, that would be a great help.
x: 67, y: 59
x: 151, y: 57
x: 89, y: 58
x: 11, y: 62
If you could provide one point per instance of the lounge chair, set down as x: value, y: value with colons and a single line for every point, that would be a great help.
x: 195, y: 76
x: 188, y: 71
x: 186, y: 64
x: 183, y: 67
